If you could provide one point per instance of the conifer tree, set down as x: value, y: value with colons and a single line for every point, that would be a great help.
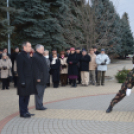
x: 39, y: 22
x: 127, y: 45
x: 107, y: 23
x: 3, y: 24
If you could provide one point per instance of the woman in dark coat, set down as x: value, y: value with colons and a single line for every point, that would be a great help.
x: 55, y: 70
x: 72, y: 67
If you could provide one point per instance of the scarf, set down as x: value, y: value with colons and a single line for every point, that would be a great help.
x: 54, y: 61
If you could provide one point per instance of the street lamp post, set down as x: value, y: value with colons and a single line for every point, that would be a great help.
x: 8, y: 18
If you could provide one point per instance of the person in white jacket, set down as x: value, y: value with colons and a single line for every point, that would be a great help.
x: 102, y: 60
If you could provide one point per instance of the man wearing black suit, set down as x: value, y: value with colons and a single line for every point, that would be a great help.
x: 26, y: 85
x: 40, y: 76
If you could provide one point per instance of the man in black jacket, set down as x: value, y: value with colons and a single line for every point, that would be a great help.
x: 84, y: 67
x: 40, y: 76
x: 26, y: 85
x: 79, y: 55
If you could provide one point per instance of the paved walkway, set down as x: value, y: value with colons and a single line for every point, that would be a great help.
x: 71, y: 111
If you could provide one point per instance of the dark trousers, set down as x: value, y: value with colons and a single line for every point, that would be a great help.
x: 63, y: 78
x: 23, y: 104
x: 56, y: 84
x: 5, y: 83
x: 101, y: 77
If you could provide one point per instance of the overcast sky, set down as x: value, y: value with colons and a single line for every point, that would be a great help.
x: 125, y: 6
x: 122, y: 6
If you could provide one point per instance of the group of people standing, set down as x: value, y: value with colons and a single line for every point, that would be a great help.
x: 74, y: 66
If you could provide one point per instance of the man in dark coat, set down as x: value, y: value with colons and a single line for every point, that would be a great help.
x: 72, y: 67
x: 40, y: 76
x: 13, y: 59
x: 84, y: 67
x: 26, y: 85
x: 79, y: 55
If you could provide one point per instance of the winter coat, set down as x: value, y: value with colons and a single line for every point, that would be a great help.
x: 55, y: 71
x: 40, y: 68
x: 92, y: 63
x: 84, y: 63
x: 25, y: 75
x: 72, y: 67
x: 5, y: 73
x: 101, y: 59
x: 64, y: 66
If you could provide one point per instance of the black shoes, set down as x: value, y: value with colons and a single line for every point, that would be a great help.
x: 102, y: 84
x: 109, y: 109
x: 41, y: 108
x: 25, y: 116
x: 30, y: 114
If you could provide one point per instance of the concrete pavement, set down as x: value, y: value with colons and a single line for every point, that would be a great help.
x: 71, y: 111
